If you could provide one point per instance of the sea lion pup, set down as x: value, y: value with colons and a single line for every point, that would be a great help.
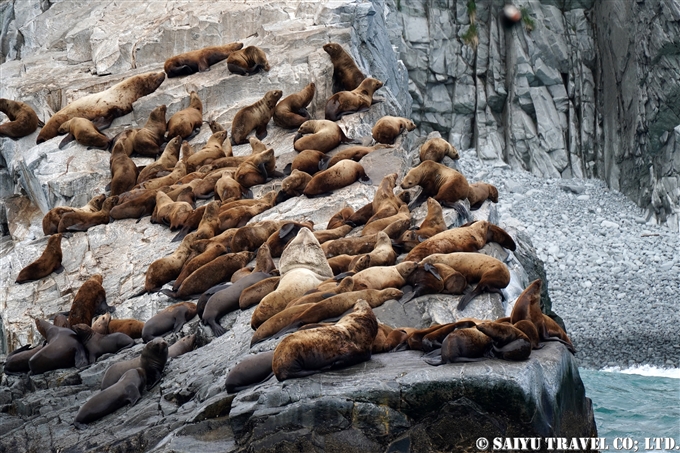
x: 168, y: 212
x: 217, y: 271
x: 461, y: 345
x: 467, y: 238
x: 303, y: 266
x: 381, y: 277
x: 211, y: 151
x: 324, y: 135
x: 128, y: 390
x: 188, y: 63
x: 178, y: 172
x: 188, y: 120
x: 90, y: 300
x: 291, y: 112
x: 491, y: 273
x: 254, y: 294
x: 130, y: 327
x: 434, y: 279
x: 84, y: 132
x: 247, y: 61
x: 152, y: 360
x: 63, y: 350
x: 147, y: 141
x: 388, y: 128
x: 83, y: 221
x: 432, y: 224
x: 253, y: 171
x: 169, y: 319
x: 108, y: 104
x: 182, y: 346
x: 166, y: 162
x: 340, y: 175
x: 17, y: 360
x: 211, y: 252
x: 436, y: 148
x: 528, y: 307
x: 167, y: 268
x: 346, y: 74
x: 293, y: 185
x: 509, y: 343
x: 357, y: 100
x: 379, y: 225
x: 279, y: 239
x: 355, y: 153
x: 340, y: 217
x: 480, y: 192
x: 50, y: 223
x: 205, y: 187
x: 97, y: 344
x: 330, y: 235
x: 254, y: 117
x: 123, y: 169
x: 49, y: 261
x: 309, y: 161
x: 346, y: 263
x: 445, y: 184
x: 22, y: 119
x: 254, y: 369
x: 311, y: 351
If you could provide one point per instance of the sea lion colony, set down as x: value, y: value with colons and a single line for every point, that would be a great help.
x: 342, y: 272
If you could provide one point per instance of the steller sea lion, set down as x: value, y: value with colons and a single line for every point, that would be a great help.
x: 97, y: 344
x: 247, y: 61
x: 210, y: 152
x: 252, y: 370
x: 340, y: 175
x: 293, y: 185
x: 17, y: 360
x: 169, y: 319
x: 49, y: 261
x: 432, y: 224
x: 388, y: 128
x: 211, y: 252
x: 170, y: 213
x: 445, y: 184
x: 63, y: 350
x: 147, y: 141
x: 331, y: 235
x: 22, y: 119
x: 217, y: 271
x: 324, y: 135
x: 255, y: 293
x: 167, y: 268
x: 250, y: 237
x: 83, y: 221
x: 435, y: 279
x: 309, y: 161
x: 291, y: 112
x: 509, y: 343
x: 227, y: 189
x: 186, y: 121
x: 152, y: 360
x: 50, y: 223
x: 355, y: 153
x: 315, y: 350
x: 381, y: 277
x: 84, y: 132
x: 123, y: 169
x: 340, y: 218
x: 346, y: 74
x: 278, y: 240
x: 436, y: 148
x: 254, y: 117
x: 479, y: 192
x: 379, y: 225
x: 253, y: 171
x: 105, y: 325
x: 166, y: 162
x: 178, y: 172
x: 182, y: 346
x: 357, y: 100
x: 461, y: 345
x: 199, y: 60
x: 108, y: 104
x: 90, y: 300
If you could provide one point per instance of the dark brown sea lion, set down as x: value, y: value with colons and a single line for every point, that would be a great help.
x: 436, y: 148
x: 468, y: 238
x: 340, y: 217
x: 130, y: 327
x: 185, y: 122
x: 323, y: 135
x: 253, y: 171
x: 255, y: 293
x: 17, y: 360
x: 247, y: 61
x: 168, y: 268
x: 254, y: 117
x: 252, y: 370
x: 147, y: 141
x: 433, y: 339
x: 217, y: 271
x: 445, y: 184
x: 509, y: 343
x: 63, y: 350
x: 212, y: 151
x: 49, y: 261
x: 340, y: 175
x: 84, y: 132
x: 346, y: 74
x: 90, y: 300
x: 291, y: 112
x: 169, y: 319
x: 152, y: 360
x: 355, y: 153
x: 166, y: 162
x: 315, y: 350
x: 293, y: 185
x: 357, y: 100
x: 388, y: 128
x: 211, y: 252
x: 309, y: 161
x: 22, y: 119
x: 480, y: 192
x: 50, y: 222
x: 462, y: 345
x: 182, y: 346
x: 199, y: 60
x: 435, y: 279
x: 108, y: 104
x: 97, y: 344
x: 123, y: 169
x: 128, y: 390
x: 280, y: 238
x: 83, y: 221
x: 432, y: 224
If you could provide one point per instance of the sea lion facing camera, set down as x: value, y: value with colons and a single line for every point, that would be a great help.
x: 291, y: 112
x: 22, y: 119
x: 357, y: 100
x: 346, y: 74
x: 89, y: 301
x: 387, y: 128
x: 254, y: 117
x: 184, y: 122
x: 199, y: 60
x: 147, y: 141
x: 48, y: 262
x: 152, y: 360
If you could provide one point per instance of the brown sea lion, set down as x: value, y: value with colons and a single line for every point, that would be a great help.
x: 379, y: 225
x: 381, y: 277
x: 97, y: 344
x: 342, y: 263
x: 350, y: 246
x: 255, y: 293
x: 325, y: 290
x: 217, y: 271
x: 108, y: 104
x: 357, y: 100
x: 22, y: 119
x: 330, y: 235
x: 346, y: 74
x: 355, y: 153
x: 211, y: 252
x: 167, y: 268
x: 340, y: 217
x: 84, y: 132
x: 254, y: 171
x: 169, y: 319
x: 199, y: 60
x: 166, y: 162
x: 509, y: 343
x: 49, y: 261
x: 293, y: 185
x: 63, y: 350
x: 182, y: 346
x: 323, y: 135
x: 309, y: 161
x: 462, y: 345
x: 83, y: 221
x: 178, y: 172
x: 50, y: 223
x: 123, y: 169
x: 247, y: 61
x: 128, y: 390
x: 152, y: 360
x: 445, y: 184
x: 388, y: 128
x: 17, y: 360
x: 250, y: 237
x: 252, y: 370
x: 479, y: 192
x: 492, y: 274
x: 227, y: 189
x: 311, y: 351
x: 168, y: 212
x: 436, y: 148
x: 138, y: 203
x: 279, y: 239
x: 186, y: 121
x: 147, y: 141
x: 432, y: 224
x: 90, y: 300
x: 384, y: 203
x: 340, y: 175
x: 105, y: 325
x: 433, y: 339
x: 205, y: 187
x: 468, y: 238
x: 212, y: 151
x: 435, y: 279
x: 291, y: 112
x: 254, y: 117
x: 239, y: 216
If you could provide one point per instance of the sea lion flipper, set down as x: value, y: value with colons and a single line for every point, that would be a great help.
x: 263, y: 170
x: 59, y: 270
x: 261, y: 131
x: 407, y: 297
x: 323, y: 162
x: 287, y: 169
x: 136, y: 396
x: 179, y: 322
x: 183, y: 232
x: 433, y: 270
x: 434, y: 357
x: 102, y: 122
x: 81, y: 359
x: 365, y: 180
x: 286, y: 229
x: 217, y: 329
x: 68, y: 139
x: 79, y: 425
x: 41, y: 123
x: 248, y: 194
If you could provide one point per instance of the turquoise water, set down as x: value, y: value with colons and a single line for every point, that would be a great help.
x: 635, y: 406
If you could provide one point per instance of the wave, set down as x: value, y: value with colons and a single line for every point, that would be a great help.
x: 646, y: 370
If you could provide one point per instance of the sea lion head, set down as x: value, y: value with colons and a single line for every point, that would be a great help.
x: 332, y: 49
x: 272, y: 97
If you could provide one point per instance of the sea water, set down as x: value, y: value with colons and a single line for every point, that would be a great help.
x: 640, y: 404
